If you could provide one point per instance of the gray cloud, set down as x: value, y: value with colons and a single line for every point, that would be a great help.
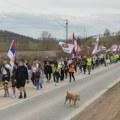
x: 31, y: 18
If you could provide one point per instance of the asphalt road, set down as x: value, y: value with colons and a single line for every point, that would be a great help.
x: 50, y: 105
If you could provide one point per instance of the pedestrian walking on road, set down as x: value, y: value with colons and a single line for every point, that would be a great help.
x: 66, y: 68
x: 89, y: 64
x: 29, y: 68
x: 13, y: 80
x: 71, y: 71
x: 84, y: 65
x: 37, y: 78
x: 47, y: 69
x: 21, y: 76
x: 34, y: 69
x: 6, y: 71
x: 56, y: 72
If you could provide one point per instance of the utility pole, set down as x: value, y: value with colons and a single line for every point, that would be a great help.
x: 65, y: 26
x: 66, y: 30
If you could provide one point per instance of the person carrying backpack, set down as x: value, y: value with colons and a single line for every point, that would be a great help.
x: 37, y: 79
x: 6, y: 75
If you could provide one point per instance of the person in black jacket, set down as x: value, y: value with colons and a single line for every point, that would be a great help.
x: 13, y: 81
x: 47, y: 69
x: 84, y: 65
x: 21, y: 76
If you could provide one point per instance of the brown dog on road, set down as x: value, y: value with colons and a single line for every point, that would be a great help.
x: 72, y: 96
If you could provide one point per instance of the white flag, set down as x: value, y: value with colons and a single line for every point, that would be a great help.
x: 118, y: 47
x: 66, y: 47
x: 114, y: 48
x: 96, y: 49
x: 75, y: 44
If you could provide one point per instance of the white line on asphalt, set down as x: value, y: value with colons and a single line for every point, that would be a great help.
x: 91, y: 100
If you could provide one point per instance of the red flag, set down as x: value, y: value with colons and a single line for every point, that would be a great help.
x: 78, y: 48
x: 73, y: 41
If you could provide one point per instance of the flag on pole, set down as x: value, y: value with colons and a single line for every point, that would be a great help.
x: 89, y: 51
x: 78, y: 49
x: 11, y: 54
x: 96, y: 48
x: 118, y: 47
x: 74, y: 42
x: 66, y: 47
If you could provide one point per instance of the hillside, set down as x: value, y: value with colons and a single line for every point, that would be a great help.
x: 6, y: 36
x: 106, y: 41
x: 25, y: 43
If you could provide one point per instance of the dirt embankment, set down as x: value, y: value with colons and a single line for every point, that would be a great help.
x: 107, y: 107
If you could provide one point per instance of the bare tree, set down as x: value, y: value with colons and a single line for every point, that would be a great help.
x: 48, y: 42
x: 46, y: 35
x: 119, y: 32
x: 107, y: 32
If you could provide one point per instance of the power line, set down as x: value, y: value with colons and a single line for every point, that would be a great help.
x: 51, y: 18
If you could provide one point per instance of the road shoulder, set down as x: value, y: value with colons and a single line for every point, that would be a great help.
x: 106, y: 107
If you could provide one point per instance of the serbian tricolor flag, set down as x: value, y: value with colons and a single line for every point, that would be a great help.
x: 11, y: 54
x: 74, y: 42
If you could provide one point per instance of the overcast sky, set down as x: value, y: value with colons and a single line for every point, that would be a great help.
x: 31, y: 17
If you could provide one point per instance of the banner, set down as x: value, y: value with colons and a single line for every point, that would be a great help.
x: 66, y: 47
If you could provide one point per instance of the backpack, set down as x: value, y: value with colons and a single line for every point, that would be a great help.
x: 37, y: 74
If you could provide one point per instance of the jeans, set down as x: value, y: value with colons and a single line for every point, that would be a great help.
x: 84, y: 68
x: 56, y: 76
x: 62, y: 75
x: 38, y: 84
x: 89, y: 69
x: 71, y: 74
x: 48, y: 76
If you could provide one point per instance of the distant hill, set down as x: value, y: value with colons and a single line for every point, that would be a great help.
x: 88, y: 43
x: 25, y: 43
x: 104, y: 40
x: 7, y: 36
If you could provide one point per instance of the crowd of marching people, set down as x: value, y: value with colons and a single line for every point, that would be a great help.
x: 54, y: 69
